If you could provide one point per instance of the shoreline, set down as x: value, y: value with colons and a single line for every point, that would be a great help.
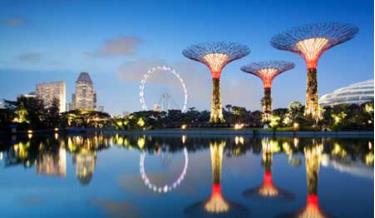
x: 244, y: 132
x: 203, y: 133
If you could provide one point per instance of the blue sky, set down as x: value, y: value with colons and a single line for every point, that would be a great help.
x: 118, y: 41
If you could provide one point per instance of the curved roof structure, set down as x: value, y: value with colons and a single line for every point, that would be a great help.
x: 356, y: 93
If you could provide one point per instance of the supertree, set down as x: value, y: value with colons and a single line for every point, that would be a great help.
x: 215, y: 55
x: 310, y: 41
x: 267, y: 71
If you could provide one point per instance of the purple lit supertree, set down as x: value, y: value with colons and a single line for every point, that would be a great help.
x: 215, y: 55
x: 310, y: 42
x: 267, y: 71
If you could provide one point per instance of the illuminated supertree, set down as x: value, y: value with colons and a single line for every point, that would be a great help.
x: 268, y: 189
x: 216, y: 204
x: 215, y: 55
x: 310, y: 42
x: 267, y: 71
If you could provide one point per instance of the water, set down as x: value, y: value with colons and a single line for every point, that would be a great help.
x: 120, y: 176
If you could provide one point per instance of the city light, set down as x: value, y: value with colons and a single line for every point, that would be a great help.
x: 238, y: 126
x: 295, y: 126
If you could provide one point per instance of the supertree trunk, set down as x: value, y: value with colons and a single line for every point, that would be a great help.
x: 216, y: 108
x: 216, y: 149
x: 312, y: 164
x: 267, y: 104
x: 312, y: 109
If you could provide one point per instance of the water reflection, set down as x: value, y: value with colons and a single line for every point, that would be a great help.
x: 216, y: 204
x: 313, y: 157
x: 80, y: 155
x: 85, y: 166
x: 268, y: 189
x: 52, y: 163
x: 166, y: 160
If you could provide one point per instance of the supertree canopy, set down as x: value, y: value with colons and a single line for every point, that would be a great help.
x: 215, y: 55
x: 267, y: 71
x: 310, y: 41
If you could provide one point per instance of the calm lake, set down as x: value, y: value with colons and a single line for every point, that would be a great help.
x: 182, y: 176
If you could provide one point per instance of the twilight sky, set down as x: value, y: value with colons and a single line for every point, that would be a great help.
x: 118, y: 41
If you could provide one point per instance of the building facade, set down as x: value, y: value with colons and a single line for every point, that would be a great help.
x: 84, y: 97
x: 52, y: 90
x: 356, y: 93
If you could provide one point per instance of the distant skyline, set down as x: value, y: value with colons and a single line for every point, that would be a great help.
x: 118, y: 41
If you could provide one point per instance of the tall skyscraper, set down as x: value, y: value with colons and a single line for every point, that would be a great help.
x: 48, y: 91
x: 84, y: 96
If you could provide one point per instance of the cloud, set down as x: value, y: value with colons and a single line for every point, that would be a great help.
x: 119, y: 46
x: 13, y: 22
x: 30, y: 57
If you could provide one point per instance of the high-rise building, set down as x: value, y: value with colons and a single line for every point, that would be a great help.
x: 84, y: 96
x: 52, y: 90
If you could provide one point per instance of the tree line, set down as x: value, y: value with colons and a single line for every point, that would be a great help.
x: 31, y: 113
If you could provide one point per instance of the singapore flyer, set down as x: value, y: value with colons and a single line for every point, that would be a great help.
x: 165, y: 97
x: 167, y: 187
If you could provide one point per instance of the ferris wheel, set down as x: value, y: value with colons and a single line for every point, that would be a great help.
x: 149, y: 73
x: 167, y: 187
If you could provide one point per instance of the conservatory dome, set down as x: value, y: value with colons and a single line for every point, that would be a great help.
x: 356, y: 93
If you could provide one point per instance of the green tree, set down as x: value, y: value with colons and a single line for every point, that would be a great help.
x: 295, y: 112
x: 53, y: 116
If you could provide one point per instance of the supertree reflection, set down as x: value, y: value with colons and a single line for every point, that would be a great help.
x: 216, y: 205
x: 313, y: 156
x: 268, y: 189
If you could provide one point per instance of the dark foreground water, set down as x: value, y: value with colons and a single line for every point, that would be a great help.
x: 117, y: 176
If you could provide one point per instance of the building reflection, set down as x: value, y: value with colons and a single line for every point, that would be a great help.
x: 216, y: 204
x: 268, y: 189
x: 84, y: 155
x: 84, y: 166
x: 52, y: 163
